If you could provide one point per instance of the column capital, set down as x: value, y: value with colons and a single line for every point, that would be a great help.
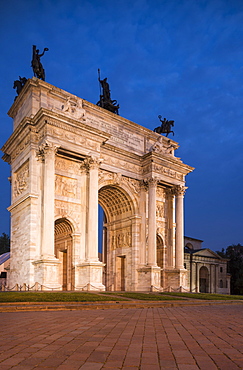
x: 46, y: 149
x: 179, y: 190
x: 83, y: 168
x: 143, y: 185
x: 92, y: 162
x: 152, y: 182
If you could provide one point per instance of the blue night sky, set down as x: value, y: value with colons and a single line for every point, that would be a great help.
x: 182, y: 59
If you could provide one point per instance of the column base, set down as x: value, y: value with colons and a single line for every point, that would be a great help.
x: 176, y: 280
x: 46, y: 273
x: 89, y: 276
x: 149, y: 278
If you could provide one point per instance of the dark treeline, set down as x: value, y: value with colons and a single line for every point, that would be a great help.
x: 4, y: 243
x: 235, y: 266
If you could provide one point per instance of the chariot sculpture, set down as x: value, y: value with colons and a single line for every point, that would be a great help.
x: 105, y: 98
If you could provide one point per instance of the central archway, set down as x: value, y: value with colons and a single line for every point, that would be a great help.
x: 118, y: 251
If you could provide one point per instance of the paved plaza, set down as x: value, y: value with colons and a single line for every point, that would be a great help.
x: 185, y: 338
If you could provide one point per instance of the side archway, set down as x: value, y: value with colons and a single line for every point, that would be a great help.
x: 64, y: 252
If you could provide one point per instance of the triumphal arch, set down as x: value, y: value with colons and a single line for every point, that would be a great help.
x: 67, y: 156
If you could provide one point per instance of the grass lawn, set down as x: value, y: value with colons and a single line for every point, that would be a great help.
x: 209, y: 296
x: 54, y: 297
x: 144, y: 296
x: 106, y: 296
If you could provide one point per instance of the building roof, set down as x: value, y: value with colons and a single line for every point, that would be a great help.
x: 204, y: 252
x: 4, y: 257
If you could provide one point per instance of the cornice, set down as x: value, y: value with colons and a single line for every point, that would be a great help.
x: 48, y: 117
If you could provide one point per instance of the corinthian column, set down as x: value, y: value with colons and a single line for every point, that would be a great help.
x: 47, y: 153
x: 179, y: 242
x: 152, y: 247
x: 92, y: 219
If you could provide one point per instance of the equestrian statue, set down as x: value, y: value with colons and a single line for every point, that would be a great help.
x: 36, y: 65
x: 19, y: 84
x: 165, y: 127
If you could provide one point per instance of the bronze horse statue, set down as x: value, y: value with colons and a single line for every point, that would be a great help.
x: 36, y: 65
x: 165, y: 127
x: 19, y: 84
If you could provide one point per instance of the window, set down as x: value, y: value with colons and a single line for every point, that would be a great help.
x: 221, y: 284
x: 221, y: 269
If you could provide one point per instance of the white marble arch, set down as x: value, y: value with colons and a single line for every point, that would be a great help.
x: 68, y: 155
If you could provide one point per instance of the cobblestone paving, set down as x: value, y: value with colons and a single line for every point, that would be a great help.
x: 185, y: 338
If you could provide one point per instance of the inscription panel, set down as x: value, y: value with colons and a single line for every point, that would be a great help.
x: 120, y: 135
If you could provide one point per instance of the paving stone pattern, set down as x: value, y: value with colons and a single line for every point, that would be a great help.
x: 185, y: 338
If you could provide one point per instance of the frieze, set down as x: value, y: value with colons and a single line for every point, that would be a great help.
x: 168, y: 172
x: 21, y: 180
x: 120, y: 164
x: 20, y: 148
x: 74, y: 138
x: 65, y: 186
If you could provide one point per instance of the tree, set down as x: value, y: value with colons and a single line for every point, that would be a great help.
x: 4, y: 243
x: 235, y: 266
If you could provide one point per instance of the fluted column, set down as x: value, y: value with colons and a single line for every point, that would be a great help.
x: 152, y: 252
x: 179, y: 244
x: 84, y: 208
x: 47, y: 154
x: 92, y: 219
x: 170, y: 227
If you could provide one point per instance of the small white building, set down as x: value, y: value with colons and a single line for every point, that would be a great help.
x: 4, y: 266
x: 207, y: 271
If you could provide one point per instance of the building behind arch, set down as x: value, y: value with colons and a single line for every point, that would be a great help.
x: 207, y: 271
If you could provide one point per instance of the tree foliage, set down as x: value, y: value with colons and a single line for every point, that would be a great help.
x: 4, y: 243
x: 235, y: 266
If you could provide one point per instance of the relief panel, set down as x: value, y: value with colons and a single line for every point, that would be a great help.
x: 66, y: 186
x: 21, y: 180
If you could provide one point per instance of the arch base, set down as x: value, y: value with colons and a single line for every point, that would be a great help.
x: 149, y: 278
x: 89, y: 276
x: 47, y: 273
